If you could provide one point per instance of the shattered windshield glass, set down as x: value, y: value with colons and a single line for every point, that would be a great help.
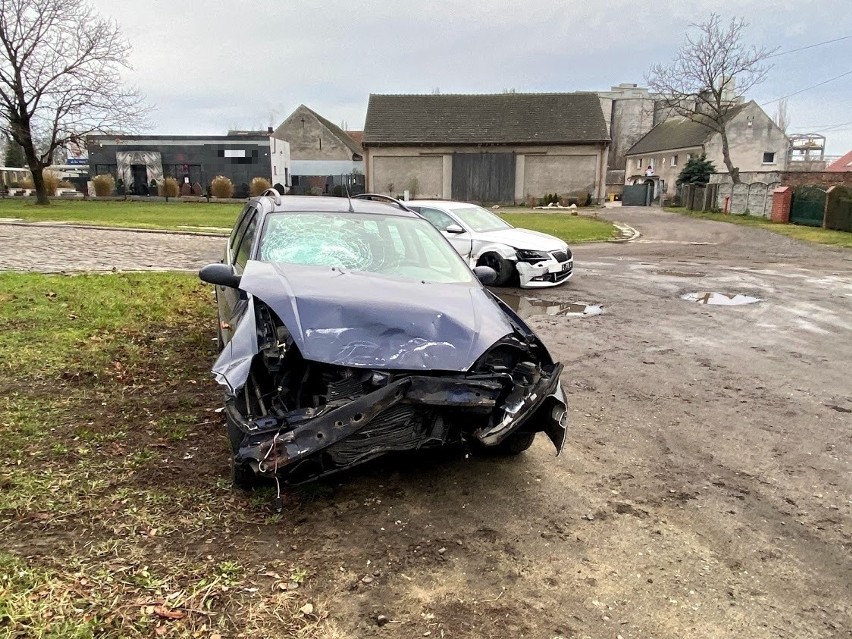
x: 408, y: 248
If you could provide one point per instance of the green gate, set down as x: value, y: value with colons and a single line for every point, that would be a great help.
x: 838, y: 211
x: 808, y: 206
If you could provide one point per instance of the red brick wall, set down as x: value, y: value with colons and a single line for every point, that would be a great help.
x: 816, y: 178
x: 782, y: 197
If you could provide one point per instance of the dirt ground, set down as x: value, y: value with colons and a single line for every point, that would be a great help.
x: 704, y: 490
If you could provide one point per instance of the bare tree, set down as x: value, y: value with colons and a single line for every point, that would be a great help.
x: 59, y: 79
x: 782, y: 116
x: 700, y: 82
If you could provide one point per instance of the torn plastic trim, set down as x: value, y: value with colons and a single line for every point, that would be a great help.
x: 524, y: 404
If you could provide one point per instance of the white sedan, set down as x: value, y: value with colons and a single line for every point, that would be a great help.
x: 483, y: 238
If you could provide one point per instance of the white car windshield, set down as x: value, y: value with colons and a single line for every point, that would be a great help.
x: 479, y: 220
x: 401, y: 247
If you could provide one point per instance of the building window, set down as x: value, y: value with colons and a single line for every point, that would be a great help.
x: 674, y: 160
x: 768, y: 157
x: 639, y: 163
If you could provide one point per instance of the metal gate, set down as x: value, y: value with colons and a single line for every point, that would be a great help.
x: 838, y: 210
x: 808, y: 206
x: 636, y: 195
x: 484, y: 177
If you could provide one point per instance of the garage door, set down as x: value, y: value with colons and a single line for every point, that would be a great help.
x: 484, y: 177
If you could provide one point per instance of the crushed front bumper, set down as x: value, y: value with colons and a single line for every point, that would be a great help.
x: 410, y: 413
x: 544, y: 273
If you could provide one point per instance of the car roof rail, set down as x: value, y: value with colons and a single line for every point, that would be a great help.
x: 275, y: 195
x: 387, y: 199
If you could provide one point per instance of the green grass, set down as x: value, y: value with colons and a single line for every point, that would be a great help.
x: 188, y: 215
x: 573, y: 229
x: 806, y: 233
x: 140, y: 215
x: 113, y: 469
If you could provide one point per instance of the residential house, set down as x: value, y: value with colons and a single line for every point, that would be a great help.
x: 756, y: 143
x: 489, y: 148
x: 841, y: 165
x: 322, y: 154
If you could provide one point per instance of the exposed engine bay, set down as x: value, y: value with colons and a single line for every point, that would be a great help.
x: 296, y: 419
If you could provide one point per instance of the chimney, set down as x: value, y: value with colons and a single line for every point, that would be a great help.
x: 269, y: 129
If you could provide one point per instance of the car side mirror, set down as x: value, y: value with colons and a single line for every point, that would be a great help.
x: 220, y: 274
x: 485, y: 274
x: 455, y: 229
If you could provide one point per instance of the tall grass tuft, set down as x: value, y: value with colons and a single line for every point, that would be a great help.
x: 258, y: 186
x: 222, y: 187
x: 104, y: 185
x: 169, y: 187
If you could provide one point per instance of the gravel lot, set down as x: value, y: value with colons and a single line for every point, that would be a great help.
x: 704, y: 490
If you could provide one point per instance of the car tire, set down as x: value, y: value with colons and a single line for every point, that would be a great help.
x: 503, y: 267
x: 513, y: 445
x: 242, y: 475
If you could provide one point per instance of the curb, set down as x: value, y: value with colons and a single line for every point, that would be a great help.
x: 95, y: 227
x: 628, y: 233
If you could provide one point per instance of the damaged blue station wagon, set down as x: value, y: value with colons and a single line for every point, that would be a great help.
x: 352, y: 328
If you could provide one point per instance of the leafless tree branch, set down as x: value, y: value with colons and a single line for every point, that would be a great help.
x: 60, y: 66
x: 699, y: 83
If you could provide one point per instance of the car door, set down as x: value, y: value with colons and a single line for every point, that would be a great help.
x: 231, y: 301
x: 441, y: 220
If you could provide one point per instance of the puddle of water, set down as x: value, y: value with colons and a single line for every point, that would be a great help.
x: 529, y: 306
x: 720, y: 299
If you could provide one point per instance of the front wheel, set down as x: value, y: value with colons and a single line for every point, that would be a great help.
x: 503, y: 267
x: 513, y: 445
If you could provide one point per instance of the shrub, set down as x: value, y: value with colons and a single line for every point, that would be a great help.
x: 51, y: 181
x: 580, y: 198
x: 185, y: 189
x: 197, y: 190
x: 697, y: 170
x: 550, y: 198
x: 169, y: 187
x: 221, y: 187
x: 27, y: 183
x: 104, y: 184
x: 65, y: 184
x: 258, y: 186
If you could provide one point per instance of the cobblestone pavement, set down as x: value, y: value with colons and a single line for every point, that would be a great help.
x: 52, y: 249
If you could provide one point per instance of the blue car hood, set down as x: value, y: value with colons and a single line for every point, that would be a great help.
x: 352, y: 318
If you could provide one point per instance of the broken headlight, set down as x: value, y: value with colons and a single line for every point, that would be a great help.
x: 532, y: 257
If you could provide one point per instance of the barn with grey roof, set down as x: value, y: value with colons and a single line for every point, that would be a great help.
x: 489, y: 148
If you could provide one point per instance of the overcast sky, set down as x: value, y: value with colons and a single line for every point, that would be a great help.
x: 211, y: 65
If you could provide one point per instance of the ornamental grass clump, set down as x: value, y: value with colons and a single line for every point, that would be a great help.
x: 221, y: 187
x: 258, y: 186
x: 104, y: 185
x: 169, y: 187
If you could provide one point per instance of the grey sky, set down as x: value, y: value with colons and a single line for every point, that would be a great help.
x: 212, y: 65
